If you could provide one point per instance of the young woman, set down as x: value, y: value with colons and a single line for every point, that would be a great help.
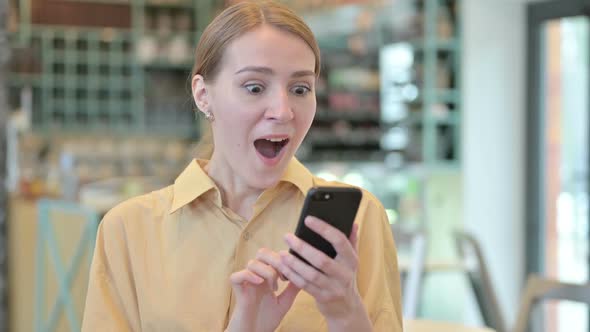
x: 210, y: 252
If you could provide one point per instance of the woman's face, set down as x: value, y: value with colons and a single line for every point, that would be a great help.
x: 263, y: 102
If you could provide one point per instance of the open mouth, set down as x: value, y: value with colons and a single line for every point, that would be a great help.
x: 270, y: 147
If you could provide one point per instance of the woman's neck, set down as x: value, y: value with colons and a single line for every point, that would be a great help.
x: 236, y: 194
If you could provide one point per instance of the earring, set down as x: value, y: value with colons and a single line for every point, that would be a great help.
x: 209, y: 116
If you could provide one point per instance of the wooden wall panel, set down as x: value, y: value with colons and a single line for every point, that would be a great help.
x: 78, y: 13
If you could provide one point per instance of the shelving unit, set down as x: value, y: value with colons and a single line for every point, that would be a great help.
x: 353, y: 37
x: 433, y: 95
x: 130, y: 79
x: 134, y: 78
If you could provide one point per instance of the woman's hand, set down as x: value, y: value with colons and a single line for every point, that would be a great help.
x: 258, y: 307
x: 333, y: 281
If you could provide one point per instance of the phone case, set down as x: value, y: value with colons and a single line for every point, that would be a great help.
x: 335, y: 205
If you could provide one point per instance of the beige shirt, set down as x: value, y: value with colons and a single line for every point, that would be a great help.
x: 162, y: 260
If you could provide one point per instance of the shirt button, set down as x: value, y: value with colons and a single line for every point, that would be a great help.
x: 247, y: 235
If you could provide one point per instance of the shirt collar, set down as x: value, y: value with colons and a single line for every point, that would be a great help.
x: 190, y: 184
x: 298, y: 175
x: 194, y: 181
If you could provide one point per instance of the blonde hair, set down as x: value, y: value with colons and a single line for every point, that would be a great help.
x: 233, y: 22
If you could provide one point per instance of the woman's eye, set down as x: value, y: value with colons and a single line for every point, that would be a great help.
x: 301, y: 90
x: 254, y: 88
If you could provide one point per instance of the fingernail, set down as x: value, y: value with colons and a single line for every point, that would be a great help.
x: 309, y: 220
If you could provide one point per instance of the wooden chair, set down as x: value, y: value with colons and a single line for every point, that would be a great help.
x: 540, y: 289
x: 480, y: 281
x: 64, y: 216
x: 413, y: 244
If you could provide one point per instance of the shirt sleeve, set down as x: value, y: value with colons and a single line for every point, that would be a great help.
x: 111, y: 301
x: 378, y: 277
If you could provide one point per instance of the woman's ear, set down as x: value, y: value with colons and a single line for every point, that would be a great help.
x: 200, y: 93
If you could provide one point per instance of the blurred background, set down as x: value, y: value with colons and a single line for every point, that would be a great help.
x: 468, y: 119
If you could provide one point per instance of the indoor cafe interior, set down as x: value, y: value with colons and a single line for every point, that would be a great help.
x: 459, y: 116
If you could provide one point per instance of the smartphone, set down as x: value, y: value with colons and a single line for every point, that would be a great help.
x: 335, y: 205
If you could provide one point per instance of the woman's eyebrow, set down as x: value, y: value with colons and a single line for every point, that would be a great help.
x: 303, y: 73
x: 257, y: 69
x: 269, y: 71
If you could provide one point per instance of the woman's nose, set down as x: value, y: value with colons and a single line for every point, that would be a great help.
x: 281, y: 109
